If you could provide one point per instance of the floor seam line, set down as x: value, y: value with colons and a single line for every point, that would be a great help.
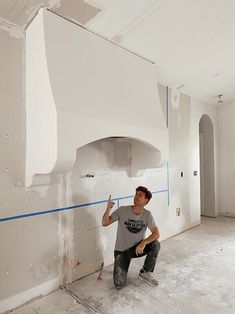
x: 81, y: 301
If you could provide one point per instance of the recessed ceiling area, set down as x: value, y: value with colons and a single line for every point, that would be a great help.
x: 191, y: 42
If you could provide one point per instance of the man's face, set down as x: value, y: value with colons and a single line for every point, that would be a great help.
x: 139, y: 199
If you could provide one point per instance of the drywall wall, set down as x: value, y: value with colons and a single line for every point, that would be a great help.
x: 226, y: 115
x: 179, y: 162
x: 29, y: 248
x: 39, y: 243
x: 184, y: 158
x: 32, y: 248
x: 72, y: 89
x: 110, y: 162
x: 198, y: 109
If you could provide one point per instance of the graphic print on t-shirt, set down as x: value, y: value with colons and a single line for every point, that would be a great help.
x: 134, y: 226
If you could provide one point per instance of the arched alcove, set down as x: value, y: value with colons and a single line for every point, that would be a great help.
x: 207, y: 171
x: 114, y: 154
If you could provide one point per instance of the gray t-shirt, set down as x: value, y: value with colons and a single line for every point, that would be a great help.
x: 131, y: 227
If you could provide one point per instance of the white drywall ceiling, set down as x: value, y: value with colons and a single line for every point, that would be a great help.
x: 192, y: 42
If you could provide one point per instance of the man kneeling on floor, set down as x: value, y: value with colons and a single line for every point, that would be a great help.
x: 130, y: 243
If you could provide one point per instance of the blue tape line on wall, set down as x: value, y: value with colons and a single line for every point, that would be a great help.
x: 44, y: 212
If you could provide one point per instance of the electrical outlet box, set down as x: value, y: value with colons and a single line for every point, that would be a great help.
x: 177, y: 211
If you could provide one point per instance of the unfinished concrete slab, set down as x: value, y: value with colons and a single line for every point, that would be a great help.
x: 195, y: 269
x: 57, y: 303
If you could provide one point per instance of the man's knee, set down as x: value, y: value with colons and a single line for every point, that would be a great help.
x: 119, y: 277
x: 155, y: 247
x: 120, y: 270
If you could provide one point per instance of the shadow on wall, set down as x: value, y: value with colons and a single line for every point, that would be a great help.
x: 104, y: 156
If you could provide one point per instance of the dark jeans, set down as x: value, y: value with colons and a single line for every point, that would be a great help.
x: 123, y: 259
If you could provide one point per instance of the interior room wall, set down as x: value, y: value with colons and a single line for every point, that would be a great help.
x: 32, y: 248
x: 226, y: 138
x: 198, y: 110
x: 184, y: 183
x: 102, y: 169
x: 29, y: 248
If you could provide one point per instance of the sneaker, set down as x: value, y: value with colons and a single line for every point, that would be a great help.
x: 118, y: 287
x: 149, y: 278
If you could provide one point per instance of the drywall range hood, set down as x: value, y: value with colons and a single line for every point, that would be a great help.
x: 81, y: 88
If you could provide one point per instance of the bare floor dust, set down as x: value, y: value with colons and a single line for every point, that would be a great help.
x: 195, y: 270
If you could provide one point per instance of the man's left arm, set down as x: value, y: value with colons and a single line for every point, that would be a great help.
x: 152, y: 237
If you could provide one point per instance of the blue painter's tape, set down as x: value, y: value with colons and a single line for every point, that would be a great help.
x: 160, y: 191
x: 50, y: 211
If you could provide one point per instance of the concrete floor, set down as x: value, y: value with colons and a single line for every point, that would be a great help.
x: 196, y: 273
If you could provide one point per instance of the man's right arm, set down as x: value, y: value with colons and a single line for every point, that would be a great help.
x: 107, y: 220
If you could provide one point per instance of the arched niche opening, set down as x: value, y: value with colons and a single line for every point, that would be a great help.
x: 207, y: 176
x: 113, y: 154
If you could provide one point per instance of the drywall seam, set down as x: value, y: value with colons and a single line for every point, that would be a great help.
x: 61, y: 231
x: 101, y: 36
x: 69, y: 226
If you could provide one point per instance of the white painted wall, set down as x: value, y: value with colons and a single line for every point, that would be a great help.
x: 226, y: 115
x: 32, y: 249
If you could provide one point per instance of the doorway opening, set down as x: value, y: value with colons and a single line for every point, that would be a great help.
x: 207, y: 170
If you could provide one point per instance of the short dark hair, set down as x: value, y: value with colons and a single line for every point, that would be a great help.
x: 147, y: 193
